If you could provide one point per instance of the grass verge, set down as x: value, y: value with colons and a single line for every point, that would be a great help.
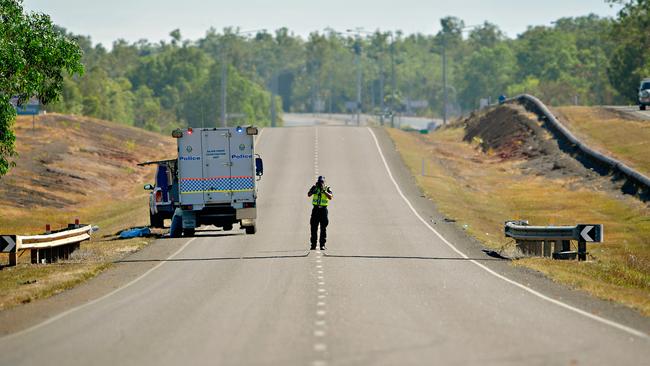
x: 611, y: 133
x: 481, y: 192
x: 25, y: 283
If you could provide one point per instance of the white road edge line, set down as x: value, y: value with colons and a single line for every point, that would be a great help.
x: 611, y: 323
x: 85, y: 305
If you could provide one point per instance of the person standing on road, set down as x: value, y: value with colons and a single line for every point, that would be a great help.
x: 321, y: 195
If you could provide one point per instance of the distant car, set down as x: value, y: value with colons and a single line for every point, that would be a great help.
x: 162, y: 198
x: 644, y: 94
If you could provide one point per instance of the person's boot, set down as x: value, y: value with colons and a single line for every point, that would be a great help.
x: 313, y: 247
x: 322, y: 247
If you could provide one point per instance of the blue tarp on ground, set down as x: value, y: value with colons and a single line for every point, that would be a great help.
x: 135, y: 232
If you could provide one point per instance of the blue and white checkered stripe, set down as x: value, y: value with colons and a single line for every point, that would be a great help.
x: 239, y: 184
x: 216, y: 184
x: 191, y: 186
x: 242, y: 184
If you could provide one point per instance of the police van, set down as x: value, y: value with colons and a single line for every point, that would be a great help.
x: 217, y: 177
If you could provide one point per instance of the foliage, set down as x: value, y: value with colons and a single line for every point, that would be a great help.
x: 33, y: 58
x: 630, y: 59
x: 587, y: 59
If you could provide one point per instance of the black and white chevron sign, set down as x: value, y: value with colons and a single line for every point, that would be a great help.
x: 7, y: 243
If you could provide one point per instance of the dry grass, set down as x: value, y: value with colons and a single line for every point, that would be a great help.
x: 71, y: 167
x: 482, y: 192
x: 611, y: 133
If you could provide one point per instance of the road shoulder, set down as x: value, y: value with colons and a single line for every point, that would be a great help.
x: 118, y: 275
x: 475, y: 250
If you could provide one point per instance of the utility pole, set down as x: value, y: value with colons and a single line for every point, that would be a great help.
x: 357, y: 60
x: 274, y: 91
x: 599, y: 84
x: 224, y: 86
x: 224, y: 74
x: 392, y: 81
x: 444, y: 73
x: 444, y: 79
x: 381, y: 90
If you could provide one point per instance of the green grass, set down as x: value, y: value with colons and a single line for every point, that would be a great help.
x: 482, y: 192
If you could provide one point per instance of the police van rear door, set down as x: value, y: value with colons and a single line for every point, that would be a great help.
x: 216, y: 165
x: 190, y: 168
x: 243, y: 166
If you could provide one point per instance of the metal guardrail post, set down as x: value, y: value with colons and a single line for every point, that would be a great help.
x: 582, y: 250
x: 48, y: 247
x: 553, y: 241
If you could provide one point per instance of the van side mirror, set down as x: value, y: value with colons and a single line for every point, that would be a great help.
x: 148, y: 187
x: 259, y: 167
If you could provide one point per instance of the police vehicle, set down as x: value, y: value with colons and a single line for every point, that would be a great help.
x: 217, y: 175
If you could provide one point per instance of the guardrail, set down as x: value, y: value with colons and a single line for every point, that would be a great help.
x: 553, y: 241
x: 637, y: 183
x: 45, y: 248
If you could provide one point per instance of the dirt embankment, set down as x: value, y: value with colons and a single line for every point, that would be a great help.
x: 509, y: 132
x: 68, y: 163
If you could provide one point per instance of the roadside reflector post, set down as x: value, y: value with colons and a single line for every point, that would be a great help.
x: 76, y: 223
x: 48, y: 229
x: 422, y: 167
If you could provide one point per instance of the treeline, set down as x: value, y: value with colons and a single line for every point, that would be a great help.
x: 163, y: 86
x: 589, y: 60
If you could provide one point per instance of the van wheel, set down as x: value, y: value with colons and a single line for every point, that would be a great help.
x: 227, y: 227
x: 642, y: 107
x: 176, y: 228
x: 251, y: 229
x: 188, y: 232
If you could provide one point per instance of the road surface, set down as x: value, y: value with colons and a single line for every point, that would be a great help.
x: 388, y: 291
x: 633, y: 111
x: 324, y: 119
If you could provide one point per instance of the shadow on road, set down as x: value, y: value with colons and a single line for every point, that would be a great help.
x: 413, y: 257
x: 208, y: 259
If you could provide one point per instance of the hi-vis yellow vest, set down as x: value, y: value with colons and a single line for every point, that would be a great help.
x: 319, y: 198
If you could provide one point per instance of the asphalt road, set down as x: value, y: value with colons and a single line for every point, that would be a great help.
x: 633, y: 111
x: 388, y: 291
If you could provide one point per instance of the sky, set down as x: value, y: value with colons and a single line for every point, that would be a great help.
x: 132, y: 20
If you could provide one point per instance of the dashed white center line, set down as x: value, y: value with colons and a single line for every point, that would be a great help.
x: 319, y: 331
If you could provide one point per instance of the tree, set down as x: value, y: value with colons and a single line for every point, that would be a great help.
x: 486, y: 72
x: 33, y: 59
x: 630, y: 60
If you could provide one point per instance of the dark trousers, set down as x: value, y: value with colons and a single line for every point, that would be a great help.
x: 318, y: 217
